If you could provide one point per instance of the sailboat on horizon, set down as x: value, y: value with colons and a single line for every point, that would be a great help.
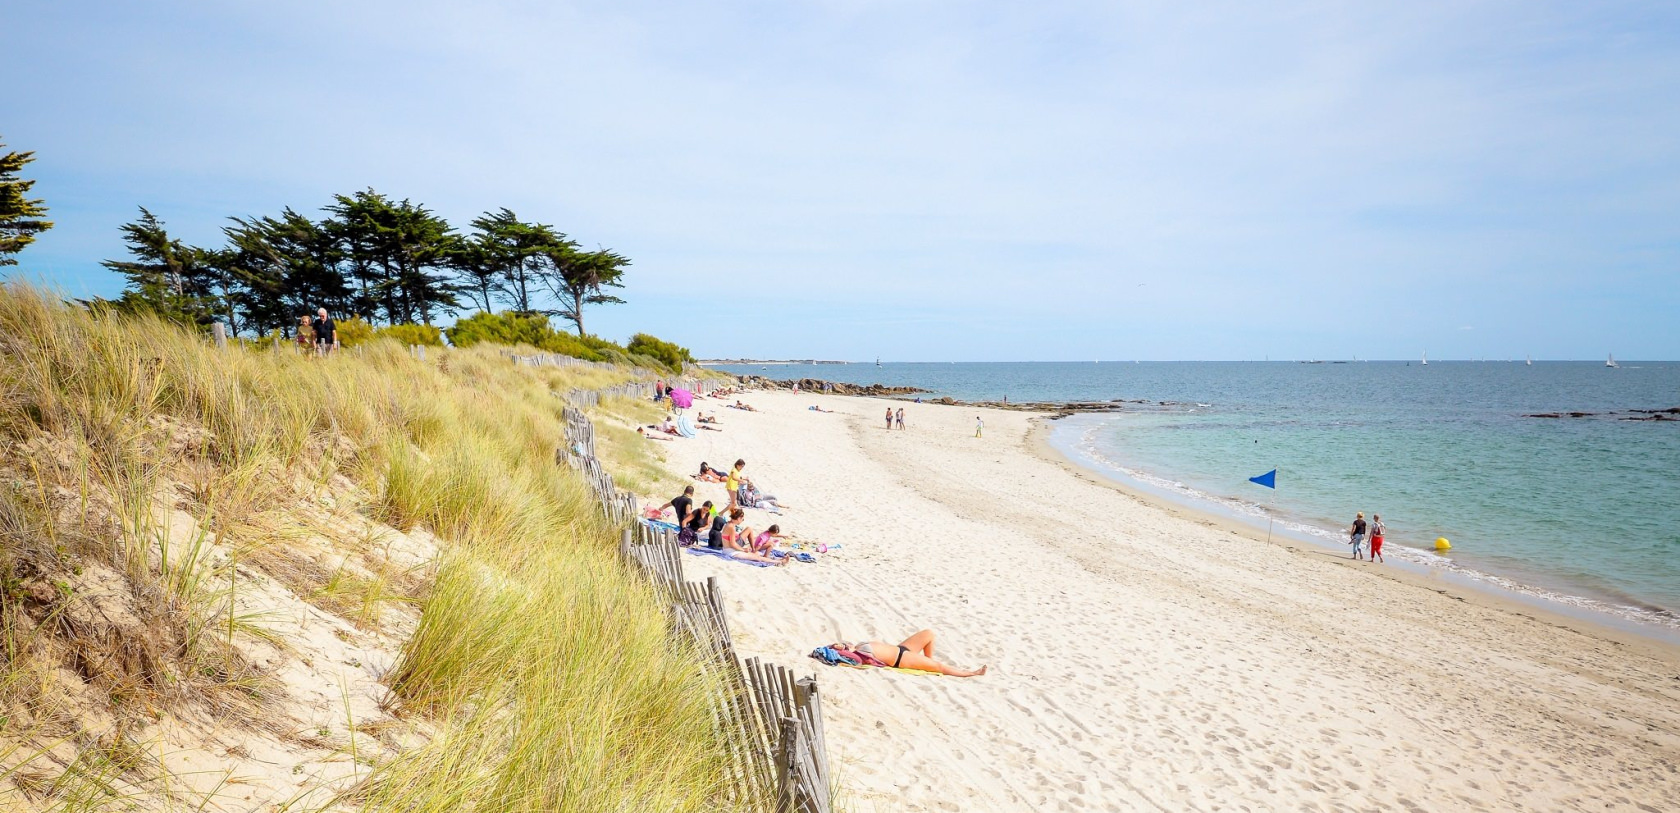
x: 1529, y: 361
x: 1426, y: 358
x: 1611, y: 362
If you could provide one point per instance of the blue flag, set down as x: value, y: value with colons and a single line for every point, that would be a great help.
x: 1269, y: 479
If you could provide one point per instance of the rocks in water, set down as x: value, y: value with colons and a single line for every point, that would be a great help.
x: 1670, y: 414
x: 832, y: 387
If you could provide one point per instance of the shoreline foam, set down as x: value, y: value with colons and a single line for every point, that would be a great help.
x: 1626, y: 614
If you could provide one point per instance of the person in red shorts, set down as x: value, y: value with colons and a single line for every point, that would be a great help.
x: 1377, y: 538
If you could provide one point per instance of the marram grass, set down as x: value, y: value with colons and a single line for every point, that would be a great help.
x: 541, y: 664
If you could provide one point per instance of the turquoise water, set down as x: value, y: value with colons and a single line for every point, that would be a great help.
x: 1584, y: 511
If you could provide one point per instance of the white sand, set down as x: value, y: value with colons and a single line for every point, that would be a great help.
x: 1142, y: 659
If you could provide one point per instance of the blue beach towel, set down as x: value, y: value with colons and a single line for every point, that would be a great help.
x: 685, y: 428
x: 661, y: 525
x: 700, y: 550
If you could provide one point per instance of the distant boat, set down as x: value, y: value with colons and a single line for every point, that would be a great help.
x: 1426, y: 358
x: 1529, y: 361
x: 1611, y: 361
x: 877, y: 361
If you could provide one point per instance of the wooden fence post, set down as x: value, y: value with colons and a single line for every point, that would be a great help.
x: 219, y: 330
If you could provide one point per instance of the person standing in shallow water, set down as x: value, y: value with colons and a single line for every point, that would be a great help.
x: 1356, y: 537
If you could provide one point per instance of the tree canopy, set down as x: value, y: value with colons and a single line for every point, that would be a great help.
x: 20, y: 216
x: 390, y: 261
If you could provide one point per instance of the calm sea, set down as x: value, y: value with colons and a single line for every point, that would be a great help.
x: 1581, y: 511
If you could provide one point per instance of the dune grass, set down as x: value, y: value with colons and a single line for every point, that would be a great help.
x: 637, y: 464
x: 542, y: 664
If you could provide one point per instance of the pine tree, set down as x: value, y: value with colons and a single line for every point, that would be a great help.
x: 577, y: 278
x: 175, y: 280
x: 19, y: 216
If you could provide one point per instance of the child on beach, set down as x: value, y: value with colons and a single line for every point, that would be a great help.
x: 733, y: 482
x: 979, y: 426
x: 1377, y: 538
x: 767, y: 540
x: 1357, y: 537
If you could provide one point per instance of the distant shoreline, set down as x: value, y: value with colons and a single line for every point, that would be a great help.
x: 768, y: 361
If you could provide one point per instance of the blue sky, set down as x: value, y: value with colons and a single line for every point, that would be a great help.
x: 927, y: 181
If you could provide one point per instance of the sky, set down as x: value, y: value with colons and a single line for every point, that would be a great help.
x: 925, y: 181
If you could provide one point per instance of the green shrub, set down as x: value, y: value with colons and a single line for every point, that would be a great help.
x: 670, y: 355
x: 507, y: 328
x: 353, y: 331
x: 413, y: 334
x: 533, y: 329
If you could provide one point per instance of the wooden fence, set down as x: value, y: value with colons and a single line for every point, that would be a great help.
x: 776, y: 758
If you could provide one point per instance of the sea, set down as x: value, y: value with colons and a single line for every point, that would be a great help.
x: 1581, y: 513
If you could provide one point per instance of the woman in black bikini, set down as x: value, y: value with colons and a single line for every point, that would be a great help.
x: 915, y: 653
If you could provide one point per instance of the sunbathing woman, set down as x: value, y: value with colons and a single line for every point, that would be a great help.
x: 649, y: 435
x: 915, y: 653
x: 710, y: 475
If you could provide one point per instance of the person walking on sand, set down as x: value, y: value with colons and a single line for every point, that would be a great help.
x: 1377, y: 530
x: 979, y: 426
x: 889, y: 418
x: 1357, y: 537
x: 326, y: 333
x: 901, y: 417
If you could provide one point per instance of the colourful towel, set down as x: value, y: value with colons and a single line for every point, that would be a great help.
x: 701, y: 550
x: 661, y: 525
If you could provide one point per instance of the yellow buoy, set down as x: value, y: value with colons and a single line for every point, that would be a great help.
x: 1441, y: 543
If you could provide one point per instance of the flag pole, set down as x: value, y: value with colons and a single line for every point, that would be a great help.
x: 1270, y: 508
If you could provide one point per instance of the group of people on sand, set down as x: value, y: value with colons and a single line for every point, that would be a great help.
x: 727, y: 529
x: 895, y: 417
x: 1362, y: 531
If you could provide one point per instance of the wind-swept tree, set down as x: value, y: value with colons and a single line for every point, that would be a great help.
x: 398, y: 251
x: 165, y: 275
x: 577, y: 278
x: 478, y: 265
x: 288, y: 266
x: 20, y: 217
x: 519, y: 250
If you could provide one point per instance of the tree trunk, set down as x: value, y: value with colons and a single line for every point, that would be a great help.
x: 577, y: 312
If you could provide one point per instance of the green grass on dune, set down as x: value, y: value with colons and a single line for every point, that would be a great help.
x: 542, y: 665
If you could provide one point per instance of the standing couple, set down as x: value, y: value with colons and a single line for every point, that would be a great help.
x: 899, y: 416
x: 1357, y: 537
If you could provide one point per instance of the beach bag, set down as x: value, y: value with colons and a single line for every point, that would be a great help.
x: 685, y: 537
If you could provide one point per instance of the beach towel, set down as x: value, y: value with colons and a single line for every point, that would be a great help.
x: 685, y: 428
x: 846, y: 657
x: 661, y: 525
x: 834, y: 657
x: 698, y: 550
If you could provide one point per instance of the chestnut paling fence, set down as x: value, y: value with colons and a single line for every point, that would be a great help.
x: 776, y: 756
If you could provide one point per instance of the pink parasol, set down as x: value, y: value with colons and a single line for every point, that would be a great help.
x: 682, y: 398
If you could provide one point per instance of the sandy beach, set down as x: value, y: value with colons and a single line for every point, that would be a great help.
x: 1149, y: 659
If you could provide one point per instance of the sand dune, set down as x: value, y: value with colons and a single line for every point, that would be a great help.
x: 1143, y: 659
